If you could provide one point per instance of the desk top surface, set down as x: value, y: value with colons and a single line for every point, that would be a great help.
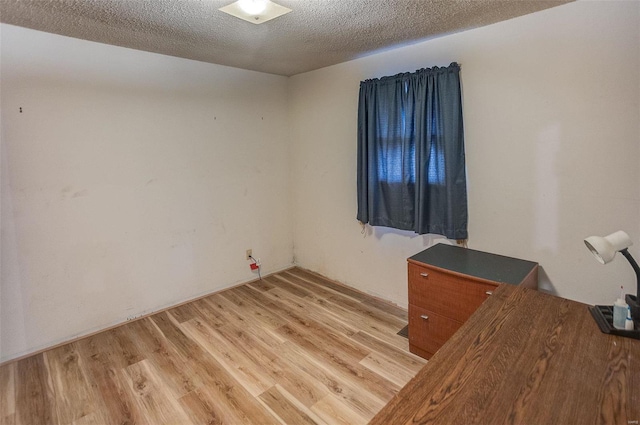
x: 524, y: 357
x: 493, y: 267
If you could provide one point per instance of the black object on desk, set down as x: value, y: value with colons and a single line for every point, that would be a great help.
x: 603, y: 315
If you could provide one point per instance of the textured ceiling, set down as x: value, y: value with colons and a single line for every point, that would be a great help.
x: 316, y: 34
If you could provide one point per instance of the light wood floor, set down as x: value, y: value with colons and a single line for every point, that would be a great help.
x: 293, y: 348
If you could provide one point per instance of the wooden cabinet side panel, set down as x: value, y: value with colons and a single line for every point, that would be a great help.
x: 531, y: 281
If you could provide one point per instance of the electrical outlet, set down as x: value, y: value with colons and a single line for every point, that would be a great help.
x: 249, y: 254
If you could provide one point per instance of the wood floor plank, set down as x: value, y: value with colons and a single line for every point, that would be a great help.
x: 306, y: 312
x: 251, y: 375
x: 348, y: 368
x: 200, y: 411
x: 323, y: 341
x: 293, y: 348
x: 253, y: 359
x: 372, y: 307
x: 379, y: 323
x: 73, y: 394
x: 340, y: 289
x: 261, y: 285
x: 402, y: 357
x: 226, y: 310
x: 172, y: 332
x: 176, y: 374
x: 183, y: 312
x: 240, y: 408
x: 284, y: 285
x: 7, y: 392
x: 351, y: 393
x: 35, y: 403
x: 93, y: 418
x: 218, y: 381
x: 387, y: 368
x: 388, y: 308
x: 284, y: 407
x: 269, y: 357
x: 332, y: 411
x: 126, y: 348
x: 205, y: 310
x: 296, y: 381
x: 375, y: 326
x: 320, y: 291
x: 9, y: 419
x: 233, y: 314
x: 372, y: 314
x: 266, y: 318
x: 152, y: 398
x: 103, y: 365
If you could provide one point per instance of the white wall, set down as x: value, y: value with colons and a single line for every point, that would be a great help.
x: 131, y: 181
x: 551, y: 108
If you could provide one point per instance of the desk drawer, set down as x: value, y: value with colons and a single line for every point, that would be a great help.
x: 428, y: 330
x: 448, y: 295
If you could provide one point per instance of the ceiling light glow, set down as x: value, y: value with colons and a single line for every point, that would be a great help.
x: 254, y: 11
x: 253, y: 7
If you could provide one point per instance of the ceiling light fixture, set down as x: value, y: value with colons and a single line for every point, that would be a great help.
x: 255, y: 11
x: 253, y: 7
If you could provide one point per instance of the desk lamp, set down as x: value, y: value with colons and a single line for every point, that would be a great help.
x: 605, y: 249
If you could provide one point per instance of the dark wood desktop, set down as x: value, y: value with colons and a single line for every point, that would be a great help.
x: 524, y: 357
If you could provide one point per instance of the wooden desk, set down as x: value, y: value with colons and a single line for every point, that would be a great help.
x: 524, y: 357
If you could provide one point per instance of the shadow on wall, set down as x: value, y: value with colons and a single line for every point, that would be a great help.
x: 544, y: 282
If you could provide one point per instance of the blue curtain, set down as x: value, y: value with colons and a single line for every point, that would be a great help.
x: 411, y: 162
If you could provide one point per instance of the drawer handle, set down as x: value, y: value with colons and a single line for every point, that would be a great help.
x: 424, y: 274
x: 424, y: 316
x: 489, y: 292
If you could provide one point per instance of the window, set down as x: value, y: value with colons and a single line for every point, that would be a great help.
x: 411, y: 170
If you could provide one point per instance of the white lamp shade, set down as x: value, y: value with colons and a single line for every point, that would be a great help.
x: 605, y: 248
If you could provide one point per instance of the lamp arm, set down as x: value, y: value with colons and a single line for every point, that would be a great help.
x: 633, y: 263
